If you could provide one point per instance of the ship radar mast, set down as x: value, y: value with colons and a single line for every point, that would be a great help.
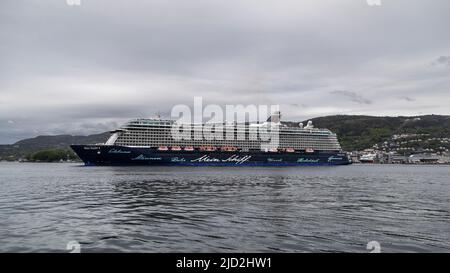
x: 309, y: 125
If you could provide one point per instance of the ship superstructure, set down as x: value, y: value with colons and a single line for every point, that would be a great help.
x: 154, y: 133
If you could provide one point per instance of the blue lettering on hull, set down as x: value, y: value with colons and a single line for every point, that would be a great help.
x: 121, y: 155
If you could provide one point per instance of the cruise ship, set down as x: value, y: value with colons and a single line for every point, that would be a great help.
x: 151, y: 142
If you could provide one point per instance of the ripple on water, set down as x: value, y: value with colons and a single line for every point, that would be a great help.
x: 326, y: 209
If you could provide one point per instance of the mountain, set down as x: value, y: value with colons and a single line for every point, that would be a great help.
x: 354, y: 133
x: 361, y: 132
x: 28, y: 146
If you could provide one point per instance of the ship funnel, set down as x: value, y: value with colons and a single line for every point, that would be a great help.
x: 275, y: 117
x: 300, y: 125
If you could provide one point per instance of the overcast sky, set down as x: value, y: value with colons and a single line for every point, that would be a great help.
x: 86, y: 69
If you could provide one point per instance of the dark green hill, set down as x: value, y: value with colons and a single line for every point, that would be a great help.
x: 24, y: 148
x: 360, y: 132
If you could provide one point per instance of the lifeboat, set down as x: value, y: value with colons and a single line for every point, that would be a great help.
x: 176, y: 148
x: 188, y: 148
x: 290, y: 150
x: 273, y: 150
x: 163, y: 148
x: 208, y: 148
x: 309, y: 150
x: 229, y: 148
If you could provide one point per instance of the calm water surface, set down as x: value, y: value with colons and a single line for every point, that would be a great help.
x: 174, y: 209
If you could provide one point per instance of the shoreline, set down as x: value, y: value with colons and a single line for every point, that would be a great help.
x: 356, y: 164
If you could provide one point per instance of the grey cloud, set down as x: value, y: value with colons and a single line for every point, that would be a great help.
x: 442, y: 60
x: 407, y: 98
x: 352, y: 96
x: 78, y: 69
